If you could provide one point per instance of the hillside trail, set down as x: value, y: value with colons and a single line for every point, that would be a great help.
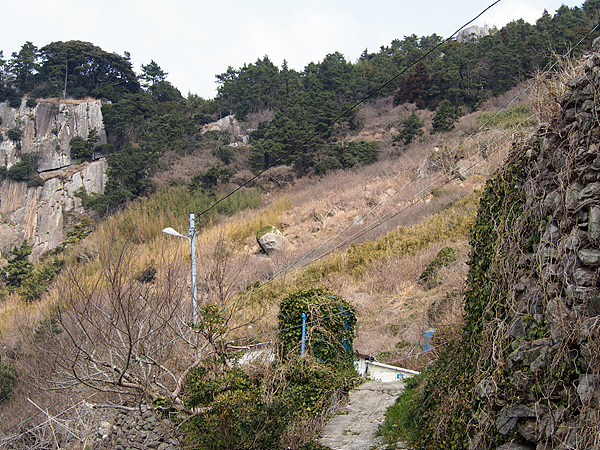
x: 354, y: 426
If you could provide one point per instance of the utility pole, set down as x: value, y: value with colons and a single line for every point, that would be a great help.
x: 192, y: 238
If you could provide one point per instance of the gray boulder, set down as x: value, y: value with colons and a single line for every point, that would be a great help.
x: 272, y: 243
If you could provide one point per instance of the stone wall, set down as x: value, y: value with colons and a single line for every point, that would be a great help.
x: 545, y: 391
x: 43, y: 214
x: 134, y: 429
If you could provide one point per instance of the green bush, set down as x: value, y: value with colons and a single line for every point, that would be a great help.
x: 83, y: 149
x: 326, y: 165
x: 19, y: 268
x: 412, y: 127
x: 264, y: 409
x: 38, y: 282
x: 209, y: 179
x: 79, y: 148
x: 444, y: 118
x: 330, y: 322
x: 431, y: 276
x: 24, y: 170
x: 8, y: 380
x: 259, y: 411
x: 235, y: 416
x: 15, y: 134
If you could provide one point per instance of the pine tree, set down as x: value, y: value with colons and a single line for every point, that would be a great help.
x: 19, y: 268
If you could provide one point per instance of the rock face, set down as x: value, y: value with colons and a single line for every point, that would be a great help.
x: 47, y: 130
x: 40, y: 213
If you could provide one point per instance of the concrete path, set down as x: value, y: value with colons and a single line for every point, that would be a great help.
x: 355, y: 425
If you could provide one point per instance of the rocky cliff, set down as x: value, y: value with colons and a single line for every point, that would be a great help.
x: 42, y: 213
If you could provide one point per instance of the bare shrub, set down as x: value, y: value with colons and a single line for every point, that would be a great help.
x: 122, y: 335
x: 550, y: 87
x: 253, y: 120
x: 182, y: 168
x: 132, y: 338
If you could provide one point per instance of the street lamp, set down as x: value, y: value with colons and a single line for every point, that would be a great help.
x: 190, y: 237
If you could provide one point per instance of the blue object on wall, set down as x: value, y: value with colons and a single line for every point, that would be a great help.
x: 428, y: 335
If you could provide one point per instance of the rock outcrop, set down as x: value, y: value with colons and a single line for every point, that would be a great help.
x: 47, y: 130
x: 41, y: 213
x: 228, y: 124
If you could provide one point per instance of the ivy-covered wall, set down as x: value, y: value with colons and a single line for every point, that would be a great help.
x: 526, y: 371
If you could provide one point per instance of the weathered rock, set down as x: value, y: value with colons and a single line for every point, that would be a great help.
x: 588, y: 390
x: 518, y: 328
x: 48, y: 129
x: 589, y: 257
x: 510, y: 415
x: 272, y: 243
x: 529, y: 430
x: 38, y: 213
x: 572, y: 200
x: 594, y: 223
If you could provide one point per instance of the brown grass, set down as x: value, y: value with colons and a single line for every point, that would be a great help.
x: 550, y: 87
x: 391, y: 307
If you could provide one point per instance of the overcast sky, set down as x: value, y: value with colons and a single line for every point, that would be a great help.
x: 193, y: 40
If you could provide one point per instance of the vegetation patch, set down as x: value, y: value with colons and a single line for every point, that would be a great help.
x: 431, y: 276
x: 281, y: 405
x: 439, y: 410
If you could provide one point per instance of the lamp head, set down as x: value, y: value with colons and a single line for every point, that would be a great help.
x: 173, y: 232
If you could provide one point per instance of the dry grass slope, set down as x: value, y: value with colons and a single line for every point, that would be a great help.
x: 366, y: 234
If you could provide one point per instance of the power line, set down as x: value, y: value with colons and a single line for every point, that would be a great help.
x: 415, y: 178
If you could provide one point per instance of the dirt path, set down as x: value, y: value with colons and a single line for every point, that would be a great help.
x: 355, y: 425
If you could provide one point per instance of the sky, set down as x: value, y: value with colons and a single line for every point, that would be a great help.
x: 194, y: 40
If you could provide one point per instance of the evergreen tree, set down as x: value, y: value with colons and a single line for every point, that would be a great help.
x: 152, y: 74
x: 24, y: 65
x: 412, y: 127
x: 444, y: 117
x: 19, y: 268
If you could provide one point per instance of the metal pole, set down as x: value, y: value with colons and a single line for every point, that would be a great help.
x: 303, y: 333
x: 192, y: 236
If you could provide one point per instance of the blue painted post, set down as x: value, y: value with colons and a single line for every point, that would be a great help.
x: 347, y: 326
x: 303, y: 333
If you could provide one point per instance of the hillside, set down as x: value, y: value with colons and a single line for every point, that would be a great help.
x: 377, y: 276
x: 100, y: 342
